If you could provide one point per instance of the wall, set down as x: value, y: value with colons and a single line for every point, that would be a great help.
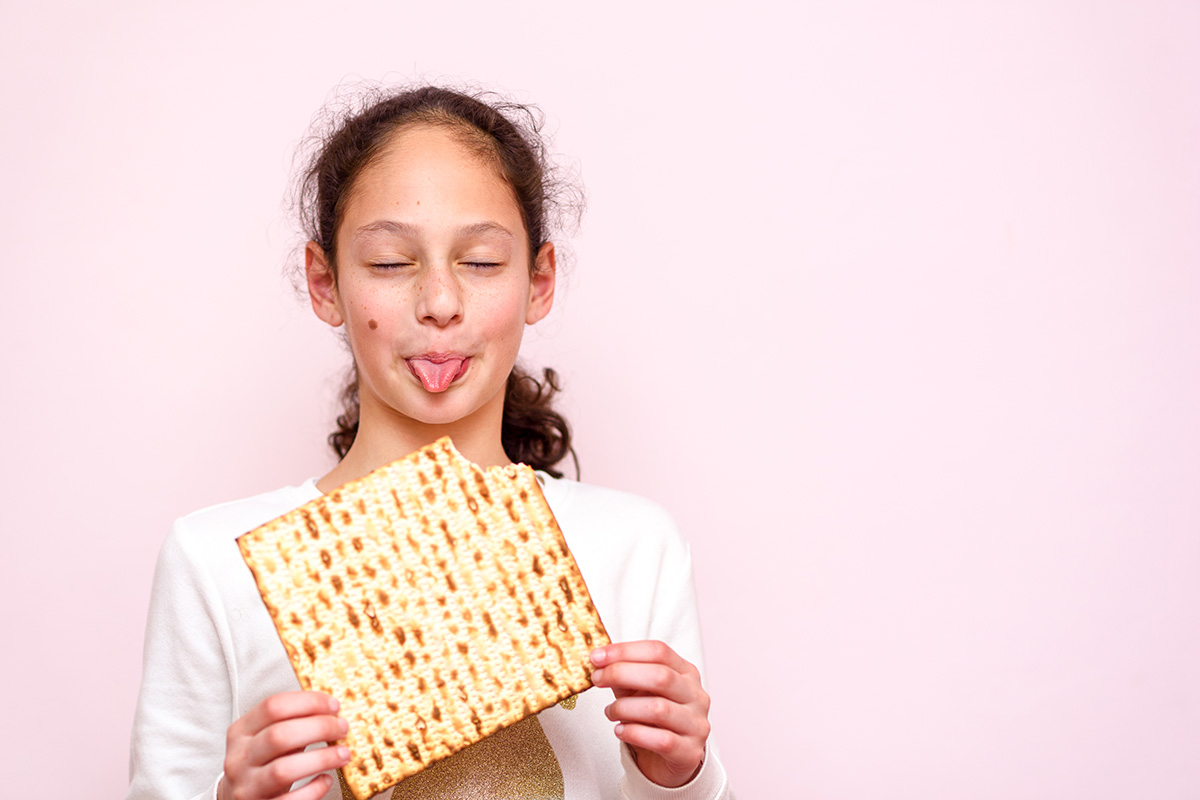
x: 894, y: 305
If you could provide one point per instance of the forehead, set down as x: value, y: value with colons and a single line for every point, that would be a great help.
x: 449, y: 132
x: 435, y: 161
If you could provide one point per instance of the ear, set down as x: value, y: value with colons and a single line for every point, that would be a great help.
x: 541, y: 284
x: 322, y: 286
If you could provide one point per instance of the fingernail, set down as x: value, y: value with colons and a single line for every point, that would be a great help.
x: 344, y: 753
x: 620, y: 727
x: 598, y: 655
x: 334, y: 705
x: 597, y: 676
x: 345, y: 726
x: 608, y: 711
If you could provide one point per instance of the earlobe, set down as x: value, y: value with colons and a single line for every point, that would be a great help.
x: 541, y: 284
x: 322, y: 285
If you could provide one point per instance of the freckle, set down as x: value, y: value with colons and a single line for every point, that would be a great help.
x: 372, y: 324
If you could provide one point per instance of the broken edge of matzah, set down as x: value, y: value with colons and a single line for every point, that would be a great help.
x: 436, y: 600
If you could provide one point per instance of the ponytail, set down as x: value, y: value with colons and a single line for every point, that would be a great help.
x: 533, y: 433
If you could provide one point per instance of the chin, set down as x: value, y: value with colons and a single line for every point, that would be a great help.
x: 433, y: 412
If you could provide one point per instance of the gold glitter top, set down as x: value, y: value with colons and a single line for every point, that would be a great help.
x: 515, y: 763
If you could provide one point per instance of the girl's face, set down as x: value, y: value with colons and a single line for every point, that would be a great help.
x: 433, y: 282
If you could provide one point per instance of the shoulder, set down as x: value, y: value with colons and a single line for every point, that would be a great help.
x: 200, y: 574
x: 197, y: 536
x: 236, y: 517
x: 584, y: 503
x: 637, y: 567
x: 617, y: 521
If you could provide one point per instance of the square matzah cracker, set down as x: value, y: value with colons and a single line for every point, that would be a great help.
x: 436, y: 600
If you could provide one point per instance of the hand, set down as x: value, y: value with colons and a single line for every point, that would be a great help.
x: 264, y: 750
x: 661, y: 709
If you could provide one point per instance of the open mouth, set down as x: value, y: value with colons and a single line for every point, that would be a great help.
x: 437, y: 371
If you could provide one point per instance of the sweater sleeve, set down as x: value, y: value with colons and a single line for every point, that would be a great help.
x: 185, y: 704
x: 674, y: 619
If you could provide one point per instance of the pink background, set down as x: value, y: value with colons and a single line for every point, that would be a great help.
x: 895, y: 305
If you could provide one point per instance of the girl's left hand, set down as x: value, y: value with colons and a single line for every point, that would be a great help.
x: 661, y: 709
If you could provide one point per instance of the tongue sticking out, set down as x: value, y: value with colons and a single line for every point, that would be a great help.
x: 436, y: 376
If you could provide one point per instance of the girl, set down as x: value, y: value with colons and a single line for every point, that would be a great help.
x: 427, y: 217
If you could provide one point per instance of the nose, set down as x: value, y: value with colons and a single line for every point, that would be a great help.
x: 439, y: 297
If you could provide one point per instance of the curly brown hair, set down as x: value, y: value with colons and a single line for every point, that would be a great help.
x: 354, y: 136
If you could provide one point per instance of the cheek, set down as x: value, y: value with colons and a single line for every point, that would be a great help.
x: 373, y: 314
x: 504, y: 314
x: 371, y: 329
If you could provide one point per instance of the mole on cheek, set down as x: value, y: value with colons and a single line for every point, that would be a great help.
x: 372, y: 324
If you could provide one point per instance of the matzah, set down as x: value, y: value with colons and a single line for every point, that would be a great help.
x: 436, y: 600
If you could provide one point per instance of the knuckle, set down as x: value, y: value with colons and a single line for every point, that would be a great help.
x: 277, y: 773
x: 660, y: 709
x: 274, y: 739
x: 272, y: 706
x: 232, y: 767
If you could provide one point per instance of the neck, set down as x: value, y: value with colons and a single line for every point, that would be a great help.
x: 383, y: 438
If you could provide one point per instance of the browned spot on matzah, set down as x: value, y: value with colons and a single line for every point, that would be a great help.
x: 449, y: 586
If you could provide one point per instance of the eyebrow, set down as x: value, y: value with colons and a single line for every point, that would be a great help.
x: 410, y: 230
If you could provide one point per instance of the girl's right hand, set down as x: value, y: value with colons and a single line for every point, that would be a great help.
x: 265, y: 749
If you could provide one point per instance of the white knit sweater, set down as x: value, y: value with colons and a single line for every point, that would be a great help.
x: 212, y: 652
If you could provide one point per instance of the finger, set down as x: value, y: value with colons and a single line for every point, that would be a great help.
x: 312, y: 790
x: 658, y: 712
x: 649, y: 652
x: 286, y: 705
x: 293, y: 735
x: 274, y: 779
x: 681, y: 752
x: 625, y: 677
